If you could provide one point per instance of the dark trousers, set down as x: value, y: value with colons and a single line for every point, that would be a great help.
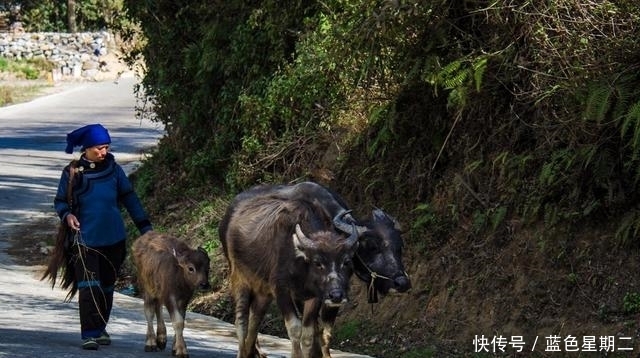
x: 96, y: 270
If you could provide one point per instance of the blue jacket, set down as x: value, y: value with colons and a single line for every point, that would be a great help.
x: 98, y: 192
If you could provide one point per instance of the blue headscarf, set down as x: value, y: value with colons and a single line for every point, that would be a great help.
x: 87, y: 136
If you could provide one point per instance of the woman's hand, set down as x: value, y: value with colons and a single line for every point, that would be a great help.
x: 73, y: 222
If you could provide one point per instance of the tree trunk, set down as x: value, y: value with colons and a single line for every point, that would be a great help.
x: 71, y: 16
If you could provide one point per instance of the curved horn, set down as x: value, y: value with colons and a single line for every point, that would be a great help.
x: 345, y: 222
x: 353, y: 238
x: 300, y: 239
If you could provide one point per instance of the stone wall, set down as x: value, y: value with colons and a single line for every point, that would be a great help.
x: 75, y: 55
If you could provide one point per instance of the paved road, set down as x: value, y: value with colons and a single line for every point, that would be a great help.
x: 34, y: 320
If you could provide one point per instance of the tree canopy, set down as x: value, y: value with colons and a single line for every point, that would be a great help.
x: 54, y: 15
x: 533, y: 107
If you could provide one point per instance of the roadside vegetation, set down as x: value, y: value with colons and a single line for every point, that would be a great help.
x: 504, y: 137
x: 21, y: 80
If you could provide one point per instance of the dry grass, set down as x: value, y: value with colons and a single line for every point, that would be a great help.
x: 13, y: 94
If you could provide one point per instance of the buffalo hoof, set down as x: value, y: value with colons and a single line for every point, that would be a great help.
x: 150, y: 348
x: 185, y: 355
x: 161, y: 345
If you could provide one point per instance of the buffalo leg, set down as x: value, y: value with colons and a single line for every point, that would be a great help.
x: 291, y: 321
x: 149, y: 313
x: 161, y: 339
x: 258, y: 309
x: 258, y: 351
x: 309, y: 322
x: 242, y: 297
x: 177, y: 313
x: 321, y: 345
x: 294, y: 330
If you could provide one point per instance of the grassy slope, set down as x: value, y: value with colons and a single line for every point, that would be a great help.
x: 509, y: 284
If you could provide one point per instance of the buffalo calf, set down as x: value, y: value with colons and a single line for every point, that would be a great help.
x: 169, y: 273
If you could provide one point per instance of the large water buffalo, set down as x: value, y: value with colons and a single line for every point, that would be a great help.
x: 378, y: 259
x: 287, y: 250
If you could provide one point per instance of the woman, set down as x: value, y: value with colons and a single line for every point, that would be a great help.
x: 99, y: 186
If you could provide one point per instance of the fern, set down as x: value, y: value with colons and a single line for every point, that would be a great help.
x: 628, y: 228
x: 451, y: 76
x: 624, y: 93
x: 457, y: 98
x: 478, y: 71
x: 498, y: 216
x: 547, y: 174
x: 587, y: 154
x: 457, y: 80
x: 632, y: 119
x: 425, y: 216
x: 602, y: 166
x: 598, y: 103
x: 447, y: 72
x: 629, y: 118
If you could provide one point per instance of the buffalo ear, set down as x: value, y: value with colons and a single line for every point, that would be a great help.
x: 380, y: 215
x: 180, y: 256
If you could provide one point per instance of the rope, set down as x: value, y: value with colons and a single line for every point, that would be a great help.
x: 89, y: 275
x: 371, y: 290
x: 82, y: 247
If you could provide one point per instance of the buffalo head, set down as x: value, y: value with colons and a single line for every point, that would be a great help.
x: 195, y: 267
x: 328, y: 256
x: 378, y: 259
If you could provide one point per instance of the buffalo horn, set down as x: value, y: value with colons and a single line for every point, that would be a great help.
x: 346, y: 223
x: 303, y: 239
x: 353, y: 238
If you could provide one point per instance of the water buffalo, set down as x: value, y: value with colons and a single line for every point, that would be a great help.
x: 378, y: 259
x: 287, y: 250
x: 169, y: 272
